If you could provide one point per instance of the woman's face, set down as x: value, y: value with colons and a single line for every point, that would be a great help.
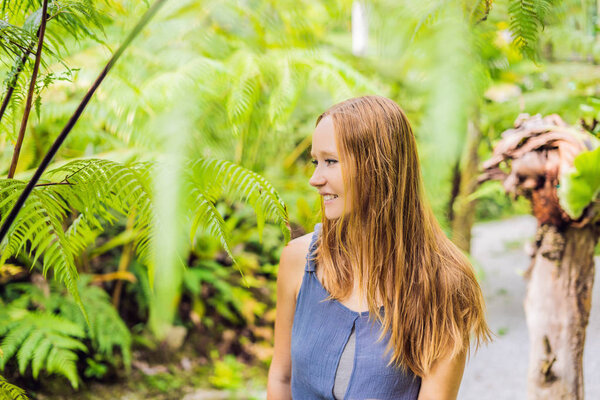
x: 327, y: 177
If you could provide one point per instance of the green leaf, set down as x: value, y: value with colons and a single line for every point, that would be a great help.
x: 581, y: 185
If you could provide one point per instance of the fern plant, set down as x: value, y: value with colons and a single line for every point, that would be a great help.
x: 88, y: 190
x: 42, y: 339
x: 73, y: 19
x: 526, y: 21
x: 47, y: 332
x: 206, y: 177
x: 85, y: 193
x: 249, y: 69
x: 9, y: 391
x: 106, y: 330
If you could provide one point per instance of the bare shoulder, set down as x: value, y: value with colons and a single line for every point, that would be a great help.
x: 297, y: 248
x: 293, y: 261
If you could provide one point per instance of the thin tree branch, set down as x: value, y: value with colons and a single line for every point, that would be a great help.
x: 54, y: 184
x: 65, y: 181
x: 36, y: 67
x: 23, y: 48
x: 11, y: 86
x: 63, y: 135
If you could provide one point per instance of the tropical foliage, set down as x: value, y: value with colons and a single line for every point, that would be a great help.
x: 180, y: 183
x: 45, y: 330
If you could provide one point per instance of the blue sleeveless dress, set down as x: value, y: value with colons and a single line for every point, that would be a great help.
x: 319, y: 333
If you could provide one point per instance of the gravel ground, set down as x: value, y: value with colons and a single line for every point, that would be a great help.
x: 499, y: 371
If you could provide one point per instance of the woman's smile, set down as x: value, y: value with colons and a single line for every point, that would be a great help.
x: 329, y: 198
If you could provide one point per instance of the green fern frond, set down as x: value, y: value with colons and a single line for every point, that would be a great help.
x: 40, y: 355
x: 106, y: 330
x: 18, y: 28
x: 40, y: 223
x: 267, y: 78
x: 284, y: 96
x: 218, y: 177
x: 352, y: 79
x: 245, y: 90
x: 63, y: 362
x: 526, y: 21
x: 426, y: 14
x: 69, y: 18
x: 9, y: 391
x: 99, y: 186
x: 26, y: 349
x: 18, y: 7
x: 16, y: 39
x: 205, y: 214
x: 76, y: 17
x: 82, y: 233
x: 480, y: 10
x: 33, y: 332
x: 48, y: 339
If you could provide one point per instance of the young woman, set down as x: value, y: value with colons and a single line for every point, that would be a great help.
x: 376, y: 303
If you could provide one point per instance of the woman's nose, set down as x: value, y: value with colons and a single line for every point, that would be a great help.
x: 317, y: 179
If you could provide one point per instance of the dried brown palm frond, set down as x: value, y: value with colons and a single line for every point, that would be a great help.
x: 536, y: 151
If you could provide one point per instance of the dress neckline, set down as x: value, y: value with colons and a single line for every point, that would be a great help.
x: 353, y: 312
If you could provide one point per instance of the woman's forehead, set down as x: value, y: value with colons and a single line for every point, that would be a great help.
x: 323, y: 139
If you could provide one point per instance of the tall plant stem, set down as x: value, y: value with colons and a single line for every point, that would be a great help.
x: 71, y: 123
x: 463, y: 206
x: 126, y: 257
x: 36, y: 67
x: 11, y: 86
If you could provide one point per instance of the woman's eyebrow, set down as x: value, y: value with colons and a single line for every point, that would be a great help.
x: 323, y: 153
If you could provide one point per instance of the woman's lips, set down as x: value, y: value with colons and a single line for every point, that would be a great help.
x: 329, y: 198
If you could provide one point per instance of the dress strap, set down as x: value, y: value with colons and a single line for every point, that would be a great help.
x: 310, y: 260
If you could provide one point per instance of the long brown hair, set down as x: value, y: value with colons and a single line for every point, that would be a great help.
x: 391, y: 245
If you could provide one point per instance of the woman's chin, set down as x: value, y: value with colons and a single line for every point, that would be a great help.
x: 332, y: 214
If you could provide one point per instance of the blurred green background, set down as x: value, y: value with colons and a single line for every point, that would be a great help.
x: 179, y: 182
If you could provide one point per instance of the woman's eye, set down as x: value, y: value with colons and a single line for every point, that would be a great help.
x: 328, y: 161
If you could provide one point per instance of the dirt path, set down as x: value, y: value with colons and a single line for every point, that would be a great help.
x: 499, y: 371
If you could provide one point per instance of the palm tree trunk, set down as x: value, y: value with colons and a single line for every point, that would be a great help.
x: 557, y: 308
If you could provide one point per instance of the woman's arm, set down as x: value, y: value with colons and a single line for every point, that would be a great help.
x: 289, y: 278
x: 444, y: 378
